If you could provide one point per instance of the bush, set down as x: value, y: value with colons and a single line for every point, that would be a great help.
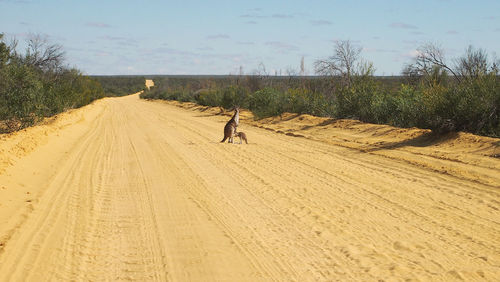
x: 268, y: 102
x: 409, y: 108
x: 383, y: 105
x: 476, y: 105
x: 207, y: 97
x: 31, y: 90
x: 19, y: 96
x: 304, y: 101
x: 234, y: 96
x: 121, y: 85
x: 431, y: 99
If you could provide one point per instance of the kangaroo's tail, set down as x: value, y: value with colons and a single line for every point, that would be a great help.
x: 225, y: 137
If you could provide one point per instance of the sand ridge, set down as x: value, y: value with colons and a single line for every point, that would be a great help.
x: 130, y: 189
x: 473, y: 157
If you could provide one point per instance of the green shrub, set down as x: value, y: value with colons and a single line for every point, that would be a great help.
x: 31, y: 91
x: 383, y: 105
x: 476, y: 105
x: 121, y: 85
x: 268, y: 102
x: 409, y: 108
x: 208, y: 97
x: 19, y: 95
x: 305, y: 101
x: 234, y: 96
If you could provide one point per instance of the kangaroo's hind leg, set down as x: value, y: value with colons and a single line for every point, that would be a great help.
x: 231, y: 137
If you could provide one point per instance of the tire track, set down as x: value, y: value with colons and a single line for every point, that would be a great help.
x: 146, y: 192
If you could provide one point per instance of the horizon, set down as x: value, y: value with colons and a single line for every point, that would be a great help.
x: 223, y: 37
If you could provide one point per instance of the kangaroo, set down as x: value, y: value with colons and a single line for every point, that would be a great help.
x: 230, y: 128
x: 242, y: 136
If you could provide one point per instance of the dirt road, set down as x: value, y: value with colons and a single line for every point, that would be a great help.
x: 126, y: 189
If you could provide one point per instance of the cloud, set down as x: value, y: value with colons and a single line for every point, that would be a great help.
x: 101, y: 54
x: 282, y: 16
x: 23, y: 35
x: 170, y: 51
x: 411, y: 42
x: 253, y: 16
x: 497, y: 30
x: 97, y: 24
x: 218, y: 36
x: 251, y: 22
x: 452, y: 32
x: 379, y: 50
x: 17, y: 1
x: 245, y: 43
x: 282, y: 47
x: 320, y: 22
x: 410, y: 54
x: 124, y: 41
x: 402, y: 25
x: 30, y: 35
x: 112, y: 38
x: 352, y: 41
x: 205, y: 48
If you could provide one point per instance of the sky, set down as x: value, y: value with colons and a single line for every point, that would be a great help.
x: 131, y: 37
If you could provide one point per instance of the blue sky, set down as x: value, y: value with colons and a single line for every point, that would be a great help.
x: 217, y: 37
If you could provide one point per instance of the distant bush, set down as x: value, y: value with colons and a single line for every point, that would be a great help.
x: 208, y: 97
x: 167, y: 94
x: 268, y: 102
x: 305, y: 101
x: 121, y: 85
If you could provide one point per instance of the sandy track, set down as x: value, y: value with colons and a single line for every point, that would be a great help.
x: 126, y: 189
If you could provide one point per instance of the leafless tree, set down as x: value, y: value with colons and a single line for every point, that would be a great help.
x: 261, y: 70
x: 495, y: 66
x: 429, y: 56
x: 342, y: 63
x: 430, y: 61
x: 290, y: 71
x: 43, y: 55
x: 473, y: 64
x: 302, y: 67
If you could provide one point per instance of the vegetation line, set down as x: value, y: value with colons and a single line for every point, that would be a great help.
x: 430, y: 93
x: 38, y: 84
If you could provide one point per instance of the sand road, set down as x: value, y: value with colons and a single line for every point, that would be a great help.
x: 126, y: 189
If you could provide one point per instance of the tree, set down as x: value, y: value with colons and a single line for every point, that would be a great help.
x: 342, y: 63
x: 42, y: 55
x: 430, y: 63
x: 473, y: 64
x: 429, y: 60
x: 4, y: 52
x: 302, y: 67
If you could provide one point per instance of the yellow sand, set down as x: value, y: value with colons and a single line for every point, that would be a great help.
x: 130, y: 189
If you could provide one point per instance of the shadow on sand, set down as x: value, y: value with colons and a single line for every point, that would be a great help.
x: 424, y: 140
